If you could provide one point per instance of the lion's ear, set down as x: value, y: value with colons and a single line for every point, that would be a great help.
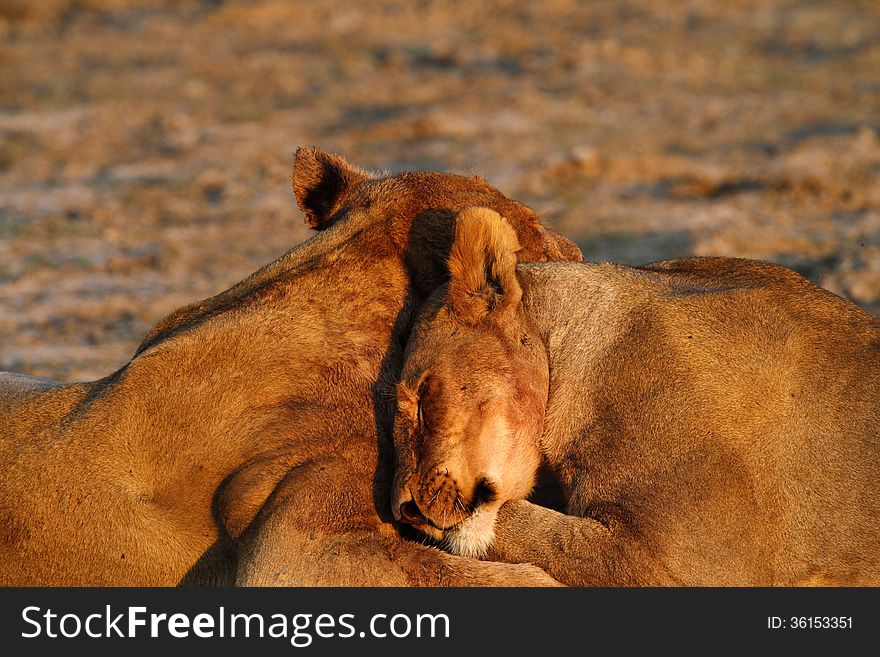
x: 482, y: 265
x: 322, y: 182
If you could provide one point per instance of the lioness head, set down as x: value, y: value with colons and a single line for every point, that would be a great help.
x: 471, y: 395
x: 414, y: 210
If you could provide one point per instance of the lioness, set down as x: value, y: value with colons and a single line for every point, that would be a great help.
x: 248, y: 440
x: 711, y: 421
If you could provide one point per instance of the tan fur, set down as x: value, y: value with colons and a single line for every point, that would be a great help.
x: 709, y: 421
x: 248, y: 439
x: 475, y: 276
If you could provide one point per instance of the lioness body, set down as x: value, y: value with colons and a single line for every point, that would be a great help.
x: 115, y: 481
x: 246, y: 440
x: 718, y: 419
x: 710, y: 421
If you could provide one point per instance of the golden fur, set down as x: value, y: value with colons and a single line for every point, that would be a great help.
x: 248, y: 439
x: 709, y: 421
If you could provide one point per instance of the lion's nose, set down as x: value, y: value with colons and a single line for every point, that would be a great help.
x: 409, y: 513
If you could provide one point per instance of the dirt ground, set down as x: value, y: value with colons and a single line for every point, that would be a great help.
x: 146, y: 147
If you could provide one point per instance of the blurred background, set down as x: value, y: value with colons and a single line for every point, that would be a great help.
x: 146, y: 147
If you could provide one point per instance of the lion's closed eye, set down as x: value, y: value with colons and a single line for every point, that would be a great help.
x: 420, y: 414
x: 424, y: 404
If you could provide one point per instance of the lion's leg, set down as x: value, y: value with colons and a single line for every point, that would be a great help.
x: 314, y: 531
x: 284, y: 558
x: 425, y: 566
x: 577, y: 551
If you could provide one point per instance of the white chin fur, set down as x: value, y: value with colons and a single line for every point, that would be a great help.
x: 473, y: 535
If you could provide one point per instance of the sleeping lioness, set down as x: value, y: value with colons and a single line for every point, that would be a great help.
x: 248, y: 439
x: 711, y: 421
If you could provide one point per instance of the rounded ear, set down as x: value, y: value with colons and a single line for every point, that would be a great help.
x: 482, y: 265
x: 321, y: 183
